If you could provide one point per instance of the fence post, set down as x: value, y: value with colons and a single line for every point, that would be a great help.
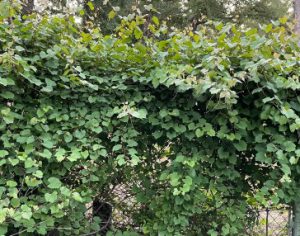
x: 267, y: 222
x: 290, y: 228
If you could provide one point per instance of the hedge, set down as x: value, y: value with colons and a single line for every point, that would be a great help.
x: 192, y: 126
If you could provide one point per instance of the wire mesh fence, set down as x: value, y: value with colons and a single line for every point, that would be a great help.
x: 262, y: 222
x: 271, y: 222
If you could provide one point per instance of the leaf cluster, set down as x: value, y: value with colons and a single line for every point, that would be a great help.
x: 194, y: 127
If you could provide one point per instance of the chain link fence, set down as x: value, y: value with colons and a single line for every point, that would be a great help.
x: 271, y: 222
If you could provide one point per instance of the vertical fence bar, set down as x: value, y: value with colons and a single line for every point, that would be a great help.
x: 290, y: 224
x: 267, y: 222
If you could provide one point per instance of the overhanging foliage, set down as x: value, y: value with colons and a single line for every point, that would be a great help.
x: 196, y: 126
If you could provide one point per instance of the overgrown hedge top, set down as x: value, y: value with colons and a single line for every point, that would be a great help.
x: 194, y: 126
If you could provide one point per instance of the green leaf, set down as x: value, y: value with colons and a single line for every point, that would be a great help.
x: 148, y: 7
x: 7, y: 81
x: 11, y: 183
x: 163, y: 113
x: 294, y: 160
x: 46, y: 154
x: 138, y: 33
x: 3, y: 227
x: 15, y: 202
x: 103, y: 152
x: 32, y: 181
x: 286, y: 169
x: 199, y: 133
x: 54, y: 183
x: 117, y: 147
x: 20, y: 49
x: 14, y: 161
x: 2, y: 218
x: 3, y: 153
x: 60, y: 154
x: 47, y: 143
x: 76, y: 196
x: 261, y: 157
x: 65, y: 191
x: 79, y: 134
x: 140, y: 114
x: 68, y: 137
x: 240, y: 146
x: 7, y: 95
x: 131, y: 143
x: 38, y: 174
x: 51, y: 197
x: 174, y: 179
x: 289, y: 146
x: 75, y: 155
x: 211, y: 132
x: 188, y: 181
x: 134, y: 160
x: 121, y: 160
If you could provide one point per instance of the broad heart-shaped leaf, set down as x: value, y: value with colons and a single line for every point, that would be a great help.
x: 286, y: 169
x: 79, y: 134
x: 6, y: 81
x: 3, y: 227
x: 3, y: 153
x: 199, y: 132
x: 15, y: 202
x: 174, y: 179
x: 38, y: 174
x: 76, y: 196
x: 11, y: 183
x: 141, y: 114
x: 51, y: 197
x: 68, y: 137
x: 241, y: 145
x: 117, y: 147
x: 47, y: 143
x: 121, y: 160
x: 54, y: 183
x: 7, y: 95
x: 289, y: 146
x: 75, y: 155
x: 60, y: 154
x: 188, y: 181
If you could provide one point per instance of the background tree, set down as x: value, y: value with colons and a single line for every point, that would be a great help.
x: 177, y: 13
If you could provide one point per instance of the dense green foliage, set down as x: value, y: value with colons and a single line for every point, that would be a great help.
x: 193, y: 126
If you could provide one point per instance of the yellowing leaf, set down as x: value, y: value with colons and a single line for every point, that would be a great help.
x: 111, y: 14
x: 138, y: 33
x: 81, y: 12
x: 155, y: 20
x: 91, y: 5
x: 283, y: 20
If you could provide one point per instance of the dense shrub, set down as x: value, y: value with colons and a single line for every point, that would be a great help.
x: 194, y: 127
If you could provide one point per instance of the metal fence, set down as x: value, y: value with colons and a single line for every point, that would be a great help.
x: 272, y: 222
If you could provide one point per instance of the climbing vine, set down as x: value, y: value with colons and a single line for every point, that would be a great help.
x: 196, y: 125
